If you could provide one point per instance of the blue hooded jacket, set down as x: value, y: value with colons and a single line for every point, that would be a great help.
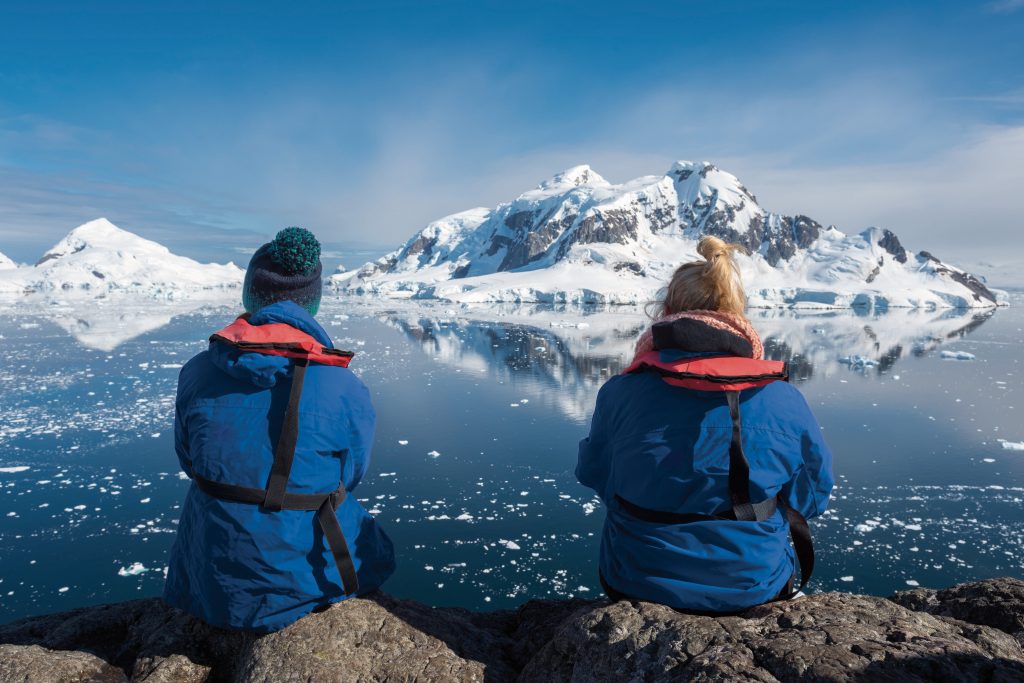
x: 666, y: 448
x: 237, y: 565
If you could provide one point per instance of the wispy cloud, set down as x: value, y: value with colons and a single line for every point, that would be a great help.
x: 1005, y: 6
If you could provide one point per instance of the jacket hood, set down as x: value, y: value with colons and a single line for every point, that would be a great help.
x: 264, y: 370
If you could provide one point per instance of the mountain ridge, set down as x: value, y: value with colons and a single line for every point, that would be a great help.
x: 576, y: 238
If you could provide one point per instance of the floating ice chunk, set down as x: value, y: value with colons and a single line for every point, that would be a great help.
x: 433, y: 454
x: 846, y: 578
x: 913, y: 527
x: 145, y: 500
x: 63, y: 589
x: 957, y: 355
x: 403, y: 442
x: 863, y: 528
x: 912, y: 582
x: 511, y: 545
x: 182, y: 476
x: 14, y: 470
x: 1013, y: 445
x: 858, y: 362
x: 464, y: 517
x: 134, y: 569
x: 988, y: 459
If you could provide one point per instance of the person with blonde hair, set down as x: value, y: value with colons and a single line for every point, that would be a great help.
x: 706, y: 459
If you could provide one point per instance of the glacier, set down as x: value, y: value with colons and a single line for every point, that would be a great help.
x: 579, y: 239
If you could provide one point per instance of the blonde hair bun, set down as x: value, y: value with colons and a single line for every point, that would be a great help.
x: 713, y: 284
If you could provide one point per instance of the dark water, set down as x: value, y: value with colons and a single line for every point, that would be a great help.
x: 480, y: 411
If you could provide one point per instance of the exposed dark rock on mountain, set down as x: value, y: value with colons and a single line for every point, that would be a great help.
x: 962, y: 633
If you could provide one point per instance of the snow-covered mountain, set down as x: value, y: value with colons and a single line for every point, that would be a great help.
x: 6, y: 263
x: 98, y: 257
x: 577, y: 238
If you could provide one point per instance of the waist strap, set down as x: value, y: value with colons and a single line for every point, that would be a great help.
x: 761, y: 511
x: 325, y: 505
x: 799, y: 531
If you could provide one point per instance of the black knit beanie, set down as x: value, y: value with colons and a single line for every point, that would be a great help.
x: 287, y: 269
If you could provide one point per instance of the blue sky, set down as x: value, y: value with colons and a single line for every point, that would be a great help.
x: 209, y: 129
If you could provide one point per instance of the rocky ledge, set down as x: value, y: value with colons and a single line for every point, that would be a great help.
x: 968, y: 632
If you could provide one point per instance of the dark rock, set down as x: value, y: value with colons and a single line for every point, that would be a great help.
x: 891, y: 244
x: 139, y: 633
x: 824, y: 637
x: 972, y: 283
x: 381, y: 639
x: 610, y: 226
x: 806, y: 231
x: 998, y: 603
x: 35, y: 664
x: 631, y: 266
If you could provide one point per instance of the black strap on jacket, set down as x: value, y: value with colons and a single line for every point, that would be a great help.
x: 275, y: 497
x: 741, y: 508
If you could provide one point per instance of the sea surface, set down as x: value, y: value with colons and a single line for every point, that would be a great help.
x: 480, y: 410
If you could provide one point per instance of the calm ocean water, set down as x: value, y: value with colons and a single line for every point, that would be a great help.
x: 480, y: 411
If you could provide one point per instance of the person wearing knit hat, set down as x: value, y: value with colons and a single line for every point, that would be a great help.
x: 286, y: 269
x: 274, y: 431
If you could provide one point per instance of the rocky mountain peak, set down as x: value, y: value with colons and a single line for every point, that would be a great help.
x: 574, y: 177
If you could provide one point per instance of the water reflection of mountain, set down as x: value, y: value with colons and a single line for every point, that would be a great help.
x: 104, y: 323
x: 815, y: 342
x: 561, y: 364
x: 563, y: 357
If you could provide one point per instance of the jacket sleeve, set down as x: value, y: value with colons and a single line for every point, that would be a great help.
x: 593, y: 467
x: 181, y: 432
x: 810, y: 490
x: 361, y: 424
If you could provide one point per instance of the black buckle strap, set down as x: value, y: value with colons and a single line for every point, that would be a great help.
x: 739, y: 467
x: 284, y: 453
x: 325, y: 504
x: 799, y: 530
x: 800, y: 533
x: 764, y: 509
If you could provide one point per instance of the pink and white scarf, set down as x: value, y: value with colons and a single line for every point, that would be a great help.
x: 727, y: 322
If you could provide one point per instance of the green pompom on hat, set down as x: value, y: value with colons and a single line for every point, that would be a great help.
x: 286, y: 269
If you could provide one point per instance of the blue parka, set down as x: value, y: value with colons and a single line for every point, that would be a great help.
x: 666, y: 448
x: 237, y: 565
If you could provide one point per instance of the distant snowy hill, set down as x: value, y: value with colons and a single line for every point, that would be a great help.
x: 6, y: 263
x: 577, y: 238
x: 99, y: 257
